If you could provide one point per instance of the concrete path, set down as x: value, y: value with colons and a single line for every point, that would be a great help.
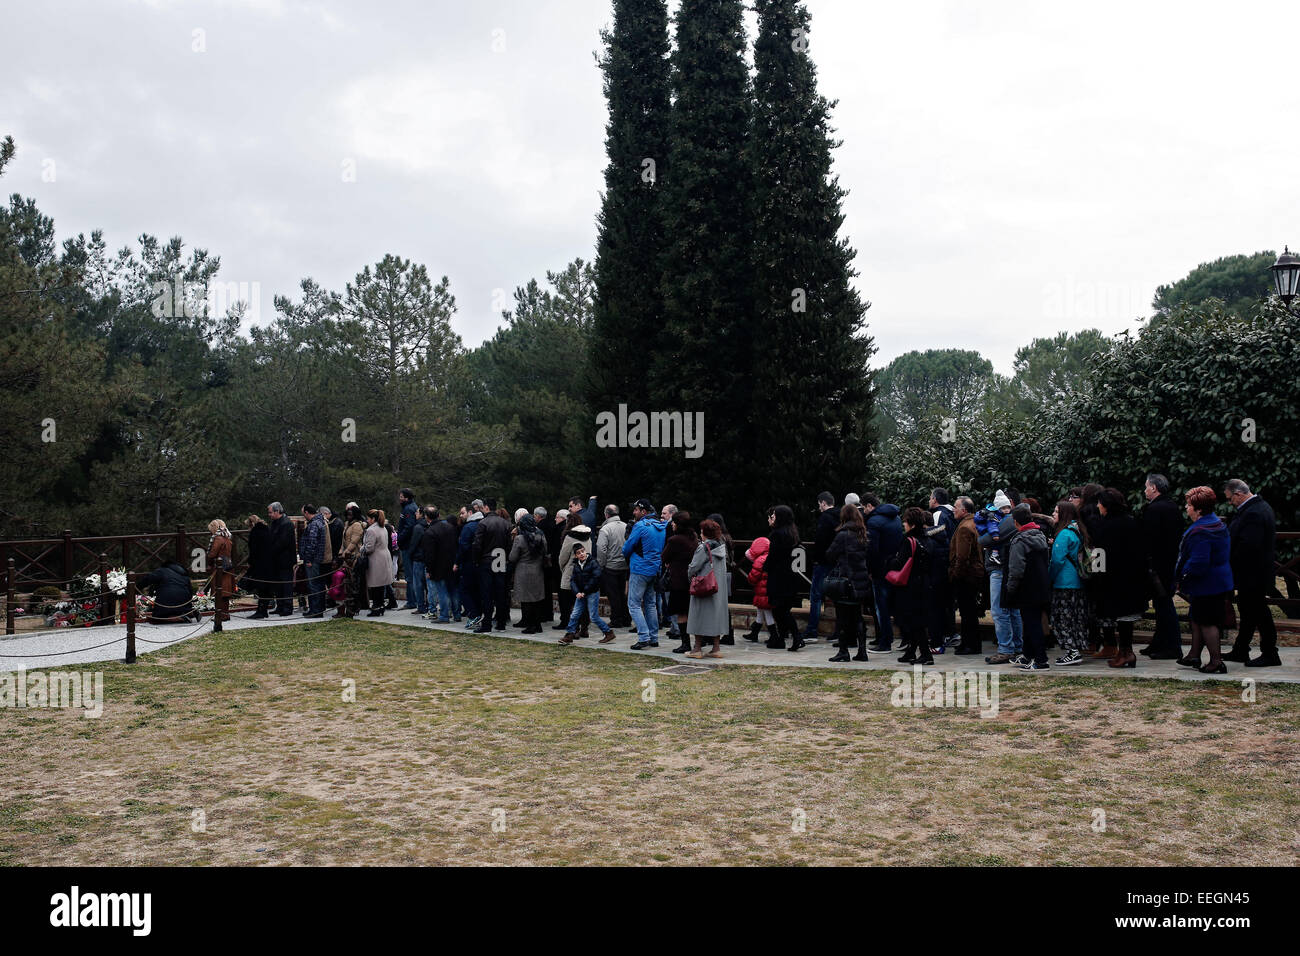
x: 57, y: 649
x: 816, y: 655
x: 65, y: 646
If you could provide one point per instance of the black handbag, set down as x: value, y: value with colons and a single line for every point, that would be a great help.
x: 837, y: 587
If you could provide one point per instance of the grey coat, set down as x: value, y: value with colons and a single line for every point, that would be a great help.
x: 609, y: 544
x: 709, y: 616
x: 379, y: 570
x: 530, y: 570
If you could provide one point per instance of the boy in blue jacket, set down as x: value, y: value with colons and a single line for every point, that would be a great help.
x: 586, y: 586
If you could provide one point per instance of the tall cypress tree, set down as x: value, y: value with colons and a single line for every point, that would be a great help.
x: 809, y: 330
x: 705, y: 364
x: 626, y: 323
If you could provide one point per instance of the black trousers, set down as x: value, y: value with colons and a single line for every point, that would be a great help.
x: 848, y: 621
x: 785, y: 625
x: 613, y: 584
x: 283, y: 589
x: 492, y: 594
x: 968, y: 602
x: 1253, y: 614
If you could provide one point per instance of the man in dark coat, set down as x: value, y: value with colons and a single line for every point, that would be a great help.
x: 173, y: 594
x: 1253, y: 534
x: 884, y: 535
x: 1162, y: 529
x: 261, y: 572
x: 405, y: 525
x: 439, y: 546
x: 1027, y: 585
x: 417, y: 584
x: 284, y: 554
x: 828, y: 519
x: 490, y: 550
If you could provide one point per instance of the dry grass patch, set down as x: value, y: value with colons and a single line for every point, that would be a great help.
x: 447, y: 731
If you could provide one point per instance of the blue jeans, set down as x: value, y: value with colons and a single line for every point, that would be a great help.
x: 641, y: 604
x: 469, y: 590
x: 416, y: 587
x: 815, y: 598
x: 442, y: 598
x: 406, y: 573
x: 592, y: 604
x: 1006, y: 620
x: 315, y: 587
x: 881, y: 591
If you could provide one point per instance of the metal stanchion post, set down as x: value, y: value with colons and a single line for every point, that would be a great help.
x: 216, y: 602
x: 10, y: 597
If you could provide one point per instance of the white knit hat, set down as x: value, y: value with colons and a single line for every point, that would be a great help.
x: 1000, y: 500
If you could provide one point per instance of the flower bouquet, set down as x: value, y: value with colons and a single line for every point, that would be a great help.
x: 72, y: 614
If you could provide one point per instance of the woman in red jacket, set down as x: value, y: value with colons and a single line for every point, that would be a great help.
x: 757, y: 557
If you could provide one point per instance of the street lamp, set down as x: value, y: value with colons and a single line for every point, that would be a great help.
x: 1286, y: 276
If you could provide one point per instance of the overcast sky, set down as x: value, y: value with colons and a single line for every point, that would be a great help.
x: 1014, y: 168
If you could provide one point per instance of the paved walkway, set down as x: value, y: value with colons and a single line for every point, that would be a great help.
x: 55, y: 649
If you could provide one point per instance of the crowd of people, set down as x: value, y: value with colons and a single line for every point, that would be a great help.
x: 1084, y: 573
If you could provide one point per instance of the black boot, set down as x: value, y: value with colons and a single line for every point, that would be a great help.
x: 754, y: 631
x: 842, y: 654
x: 776, y: 641
x: 684, y: 646
x: 861, y: 655
x: 729, y: 637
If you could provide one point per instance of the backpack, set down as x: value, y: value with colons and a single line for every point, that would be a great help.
x: 1082, y: 559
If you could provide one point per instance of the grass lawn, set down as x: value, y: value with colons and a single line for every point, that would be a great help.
x: 448, y: 730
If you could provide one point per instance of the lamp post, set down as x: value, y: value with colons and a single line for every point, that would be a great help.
x: 1286, y: 278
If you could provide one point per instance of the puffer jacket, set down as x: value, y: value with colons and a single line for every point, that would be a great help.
x: 1064, y: 566
x: 1026, y: 583
x: 847, y: 556
x: 580, y: 535
x: 584, y: 577
x: 884, y: 534
x: 757, y: 555
x: 644, y: 546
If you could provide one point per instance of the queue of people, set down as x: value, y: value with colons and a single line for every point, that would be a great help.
x: 1084, y: 573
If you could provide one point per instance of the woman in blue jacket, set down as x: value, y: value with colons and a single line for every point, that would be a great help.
x: 1070, y: 611
x: 1204, y: 578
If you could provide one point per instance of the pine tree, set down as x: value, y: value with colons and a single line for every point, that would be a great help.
x: 705, y: 363
x: 810, y: 337
x: 627, y: 323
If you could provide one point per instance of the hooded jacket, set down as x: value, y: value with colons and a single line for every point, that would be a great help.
x: 1027, y: 583
x: 848, y: 556
x: 644, y: 546
x: 757, y: 555
x: 1064, y: 566
x: 585, y: 576
x: 884, y: 534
